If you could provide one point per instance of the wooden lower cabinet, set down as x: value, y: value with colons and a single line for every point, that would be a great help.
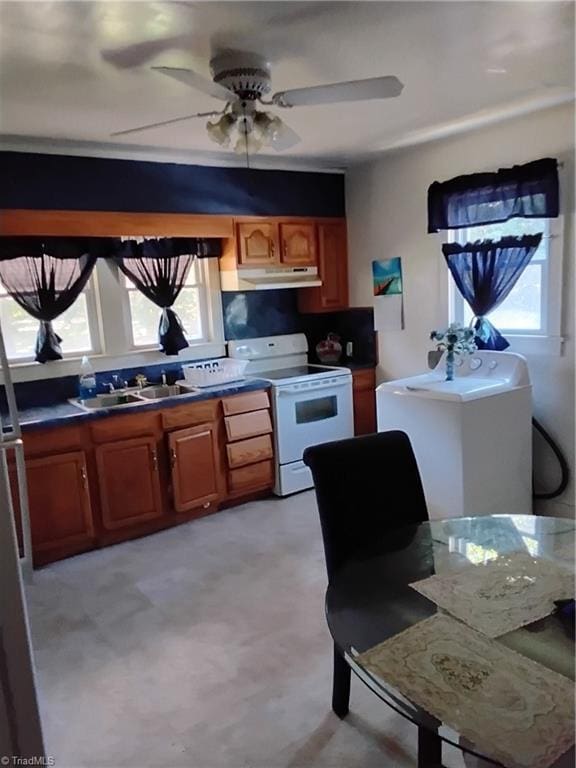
x: 127, y: 475
x: 59, y: 503
x: 129, y: 483
x: 194, y: 465
x: 364, y: 400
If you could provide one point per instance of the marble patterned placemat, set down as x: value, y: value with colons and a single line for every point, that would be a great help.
x: 501, y: 595
x: 511, y: 708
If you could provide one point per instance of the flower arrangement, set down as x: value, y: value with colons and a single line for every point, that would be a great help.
x: 455, y: 340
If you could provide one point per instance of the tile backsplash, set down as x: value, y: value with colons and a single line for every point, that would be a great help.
x: 354, y: 325
x: 252, y: 314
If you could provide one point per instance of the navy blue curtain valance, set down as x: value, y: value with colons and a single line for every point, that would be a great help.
x: 485, y: 273
x: 525, y: 191
x: 167, y: 247
x: 16, y: 247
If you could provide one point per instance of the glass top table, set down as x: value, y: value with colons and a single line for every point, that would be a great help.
x: 369, y: 600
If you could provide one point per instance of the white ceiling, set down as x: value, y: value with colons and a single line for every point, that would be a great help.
x: 462, y: 63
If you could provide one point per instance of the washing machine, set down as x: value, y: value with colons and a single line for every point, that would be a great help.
x: 472, y: 436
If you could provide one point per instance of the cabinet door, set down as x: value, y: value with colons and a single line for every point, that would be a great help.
x: 194, y: 460
x: 332, y: 269
x: 59, y: 501
x: 333, y: 266
x: 363, y: 387
x: 128, y: 480
x: 257, y: 243
x: 298, y: 244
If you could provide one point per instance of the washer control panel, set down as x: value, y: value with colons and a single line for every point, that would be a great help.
x: 485, y: 364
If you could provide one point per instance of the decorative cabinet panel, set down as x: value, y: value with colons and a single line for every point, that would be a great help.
x: 59, y: 502
x: 129, y: 482
x: 298, y: 244
x: 194, y: 463
x: 333, y: 271
x: 257, y: 243
x: 364, y: 400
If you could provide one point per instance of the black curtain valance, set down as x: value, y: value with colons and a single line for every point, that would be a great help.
x: 167, y: 247
x: 16, y: 247
x: 525, y: 191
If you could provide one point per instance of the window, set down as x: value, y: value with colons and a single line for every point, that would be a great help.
x: 531, y: 313
x: 190, y: 306
x: 78, y: 326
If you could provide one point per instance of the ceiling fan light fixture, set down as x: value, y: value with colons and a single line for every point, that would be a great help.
x: 248, y: 144
x: 221, y: 131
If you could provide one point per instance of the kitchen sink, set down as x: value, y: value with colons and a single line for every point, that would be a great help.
x: 112, y: 400
x: 132, y: 397
x: 164, y: 390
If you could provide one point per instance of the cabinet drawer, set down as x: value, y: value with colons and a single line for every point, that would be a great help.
x: 249, y: 451
x: 364, y: 379
x: 112, y: 428
x: 55, y: 440
x: 190, y: 415
x: 251, y: 401
x: 252, y: 477
x: 248, y: 425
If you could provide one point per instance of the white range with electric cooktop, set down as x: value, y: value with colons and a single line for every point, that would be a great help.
x: 311, y: 404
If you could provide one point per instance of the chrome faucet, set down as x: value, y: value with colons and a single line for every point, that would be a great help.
x: 116, y: 384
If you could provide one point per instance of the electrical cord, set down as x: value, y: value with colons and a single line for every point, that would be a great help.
x: 564, y: 469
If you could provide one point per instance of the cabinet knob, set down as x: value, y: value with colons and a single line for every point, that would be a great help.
x: 154, y: 460
x: 84, y: 477
x: 205, y: 506
x: 172, y: 457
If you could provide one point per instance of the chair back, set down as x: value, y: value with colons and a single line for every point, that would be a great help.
x: 364, y: 486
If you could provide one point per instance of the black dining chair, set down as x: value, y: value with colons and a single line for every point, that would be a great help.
x: 365, y: 486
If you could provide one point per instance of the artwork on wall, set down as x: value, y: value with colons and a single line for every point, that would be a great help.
x: 388, y: 294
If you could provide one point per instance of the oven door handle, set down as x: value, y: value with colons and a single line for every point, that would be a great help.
x: 344, y: 381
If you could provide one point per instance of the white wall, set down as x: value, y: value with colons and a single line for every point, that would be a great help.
x: 386, y: 201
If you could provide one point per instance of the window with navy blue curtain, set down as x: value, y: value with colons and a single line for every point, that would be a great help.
x: 486, y: 272
x: 45, y: 276
x: 159, y: 268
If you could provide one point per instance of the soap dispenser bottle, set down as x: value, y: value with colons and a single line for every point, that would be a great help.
x: 86, y: 380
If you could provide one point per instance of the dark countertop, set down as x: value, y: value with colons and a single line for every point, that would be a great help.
x: 65, y: 414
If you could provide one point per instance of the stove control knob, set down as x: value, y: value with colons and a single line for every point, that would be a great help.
x: 492, y: 365
x: 459, y: 362
x: 475, y: 363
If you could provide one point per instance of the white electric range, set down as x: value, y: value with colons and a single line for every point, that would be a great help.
x: 311, y: 404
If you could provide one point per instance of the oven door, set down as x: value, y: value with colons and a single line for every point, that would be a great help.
x: 310, y: 413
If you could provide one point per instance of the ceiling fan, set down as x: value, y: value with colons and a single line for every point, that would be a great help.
x: 242, y: 81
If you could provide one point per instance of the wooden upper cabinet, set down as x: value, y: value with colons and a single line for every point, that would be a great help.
x: 257, y: 243
x: 333, y: 271
x: 129, y: 482
x: 194, y: 461
x: 298, y: 244
x: 59, y: 502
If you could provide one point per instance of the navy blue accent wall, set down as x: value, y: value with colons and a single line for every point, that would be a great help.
x: 64, y: 182
x: 253, y: 314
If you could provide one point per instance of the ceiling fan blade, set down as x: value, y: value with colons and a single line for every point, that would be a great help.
x: 355, y: 90
x: 285, y: 138
x: 201, y: 83
x: 165, y: 122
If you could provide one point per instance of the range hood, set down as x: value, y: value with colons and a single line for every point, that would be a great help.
x: 269, y: 278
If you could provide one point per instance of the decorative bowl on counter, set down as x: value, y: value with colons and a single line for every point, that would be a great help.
x: 329, y: 350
